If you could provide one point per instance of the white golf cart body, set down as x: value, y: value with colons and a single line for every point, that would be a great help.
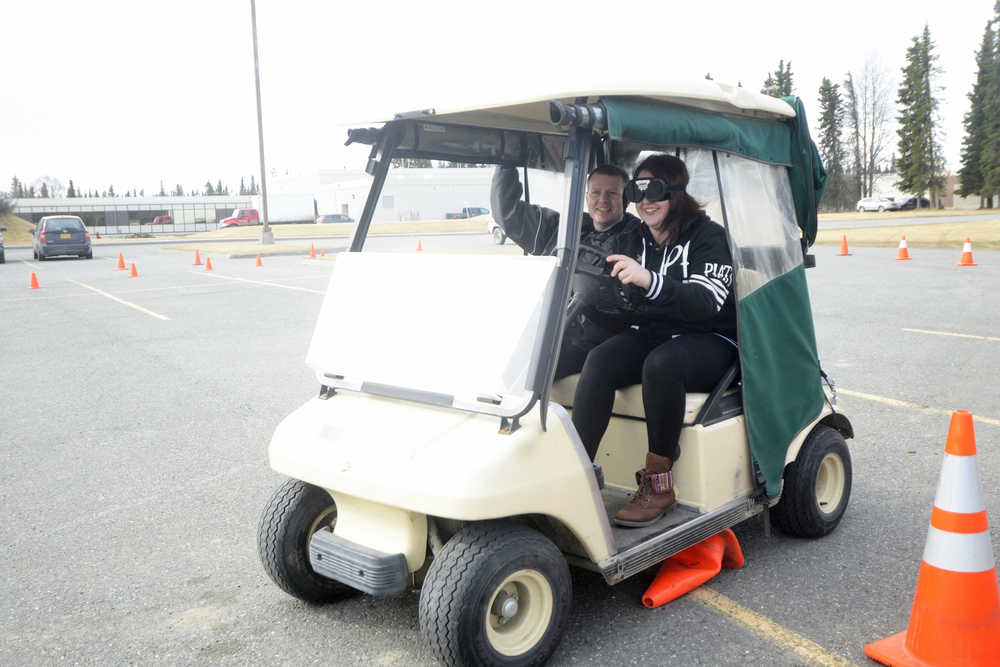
x: 417, y: 432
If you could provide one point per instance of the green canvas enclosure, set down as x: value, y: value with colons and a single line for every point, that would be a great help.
x: 761, y: 178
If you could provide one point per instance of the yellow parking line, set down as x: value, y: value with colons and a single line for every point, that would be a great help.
x: 912, y: 406
x: 950, y: 333
x: 121, y: 301
x: 806, y: 649
x: 258, y: 282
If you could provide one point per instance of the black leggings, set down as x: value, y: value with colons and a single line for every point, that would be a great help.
x: 667, y: 369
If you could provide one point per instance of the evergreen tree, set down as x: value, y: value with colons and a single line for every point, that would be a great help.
x: 243, y: 187
x: 836, y: 195
x: 178, y: 191
x: 218, y: 188
x: 921, y: 164
x: 163, y: 193
x: 111, y: 191
x: 142, y: 193
x: 989, y: 159
x: 856, y: 179
x: 209, y: 190
x: 16, y: 189
x: 71, y: 191
x: 44, y: 192
x: 253, y: 186
x: 779, y: 83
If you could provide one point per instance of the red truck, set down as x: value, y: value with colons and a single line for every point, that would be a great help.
x: 240, y: 217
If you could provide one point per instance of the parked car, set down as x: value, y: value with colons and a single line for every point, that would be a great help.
x: 879, y: 204
x: 61, y: 235
x: 911, y: 203
x: 334, y: 217
x: 496, y: 231
x: 467, y: 212
x: 240, y: 217
x: 162, y: 220
x: 3, y: 258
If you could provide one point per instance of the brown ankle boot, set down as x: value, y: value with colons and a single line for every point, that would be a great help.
x: 654, y: 495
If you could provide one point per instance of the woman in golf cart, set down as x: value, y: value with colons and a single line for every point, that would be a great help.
x: 679, y: 270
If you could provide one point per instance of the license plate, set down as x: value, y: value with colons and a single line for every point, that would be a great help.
x: 65, y: 236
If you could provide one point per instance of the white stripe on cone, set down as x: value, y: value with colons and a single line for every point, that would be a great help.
x: 959, y: 552
x: 966, y: 247
x: 902, y: 243
x: 958, y: 487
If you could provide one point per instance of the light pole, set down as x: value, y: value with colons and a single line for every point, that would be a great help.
x: 266, y: 236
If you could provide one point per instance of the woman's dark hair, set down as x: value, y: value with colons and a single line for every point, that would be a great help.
x: 684, y: 209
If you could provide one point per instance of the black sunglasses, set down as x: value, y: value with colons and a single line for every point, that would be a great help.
x: 652, y: 189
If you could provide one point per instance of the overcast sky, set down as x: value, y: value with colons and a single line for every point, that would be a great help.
x: 129, y: 93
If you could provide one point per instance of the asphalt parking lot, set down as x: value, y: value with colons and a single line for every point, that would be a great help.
x: 136, y: 414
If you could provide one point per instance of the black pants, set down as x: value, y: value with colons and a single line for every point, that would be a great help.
x: 667, y: 370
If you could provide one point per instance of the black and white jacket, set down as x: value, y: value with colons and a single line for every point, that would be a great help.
x: 692, y: 284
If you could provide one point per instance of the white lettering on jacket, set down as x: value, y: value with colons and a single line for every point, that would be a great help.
x: 723, y: 272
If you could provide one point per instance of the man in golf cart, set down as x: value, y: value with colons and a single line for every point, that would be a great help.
x: 535, y: 228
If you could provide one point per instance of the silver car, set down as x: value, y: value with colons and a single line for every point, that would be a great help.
x: 61, y: 235
x: 877, y: 204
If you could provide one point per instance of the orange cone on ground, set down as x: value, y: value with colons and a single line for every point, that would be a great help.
x: 258, y: 260
x: 208, y: 263
x: 121, y: 263
x: 967, y: 253
x: 312, y: 251
x: 419, y: 246
x: 685, y: 571
x: 843, y: 246
x: 904, y: 252
x: 133, y: 273
x: 322, y: 252
x: 955, y: 618
x: 197, y: 257
x: 34, y: 282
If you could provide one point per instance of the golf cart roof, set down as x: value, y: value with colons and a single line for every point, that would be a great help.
x: 532, y: 114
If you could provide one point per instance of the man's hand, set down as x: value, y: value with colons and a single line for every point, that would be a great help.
x: 630, y: 272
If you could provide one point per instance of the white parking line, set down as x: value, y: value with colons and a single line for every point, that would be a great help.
x: 121, y: 301
x: 258, y: 282
x: 912, y: 406
x: 950, y: 333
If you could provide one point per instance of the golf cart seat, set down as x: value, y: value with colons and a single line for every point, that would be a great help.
x: 628, y: 401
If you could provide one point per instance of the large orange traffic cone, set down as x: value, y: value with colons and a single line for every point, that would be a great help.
x: 843, y: 246
x: 121, y: 263
x: 685, y: 571
x: 34, y: 282
x: 133, y: 273
x: 197, y: 257
x: 904, y: 252
x: 956, y: 610
x: 208, y: 263
x: 258, y: 260
x: 967, y: 253
x: 312, y: 251
x: 419, y: 246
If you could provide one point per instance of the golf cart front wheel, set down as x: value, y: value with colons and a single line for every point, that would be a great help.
x: 499, y: 236
x: 294, y: 513
x: 497, y: 594
x: 817, y: 486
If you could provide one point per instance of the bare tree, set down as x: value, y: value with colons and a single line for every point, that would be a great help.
x: 53, y: 185
x: 869, y: 99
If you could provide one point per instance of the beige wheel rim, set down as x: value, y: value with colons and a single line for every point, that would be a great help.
x: 326, y: 519
x: 514, y: 629
x: 830, y: 483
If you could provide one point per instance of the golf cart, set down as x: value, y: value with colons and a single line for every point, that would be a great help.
x: 428, y: 462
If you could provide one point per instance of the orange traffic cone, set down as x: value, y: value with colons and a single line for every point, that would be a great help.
x: 121, y: 263
x: 322, y: 252
x: 904, y: 252
x: 956, y: 610
x: 258, y: 260
x: 312, y: 251
x: 34, y: 282
x: 133, y: 273
x: 843, y: 246
x: 208, y: 263
x: 685, y: 571
x: 197, y: 257
x: 419, y: 246
x: 967, y: 254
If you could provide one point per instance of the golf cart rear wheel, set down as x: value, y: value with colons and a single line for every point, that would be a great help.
x: 498, y: 236
x: 817, y: 486
x: 497, y: 594
x: 293, y: 514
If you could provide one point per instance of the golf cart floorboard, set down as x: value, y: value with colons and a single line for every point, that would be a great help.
x: 625, y: 538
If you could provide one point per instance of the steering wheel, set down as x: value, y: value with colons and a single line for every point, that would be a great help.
x: 594, y: 287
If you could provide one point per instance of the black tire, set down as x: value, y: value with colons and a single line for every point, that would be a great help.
x: 40, y: 257
x: 3, y: 258
x: 499, y: 237
x: 881, y: 209
x: 293, y: 514
x: 90, y: 254
x: 476, y: 568
x: 817, y: 486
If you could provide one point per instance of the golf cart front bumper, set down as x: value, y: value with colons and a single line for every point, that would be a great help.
x: 368, y: 570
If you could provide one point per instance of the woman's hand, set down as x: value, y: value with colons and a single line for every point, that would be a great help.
x: 629, y: 271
